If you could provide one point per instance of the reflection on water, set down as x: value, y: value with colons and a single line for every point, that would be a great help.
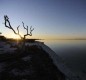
x: 73, y: 52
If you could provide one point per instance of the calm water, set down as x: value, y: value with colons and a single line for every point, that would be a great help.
x: 73, y: 52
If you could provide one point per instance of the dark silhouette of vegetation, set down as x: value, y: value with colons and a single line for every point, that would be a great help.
x: 17, y: 33
x: 2, y: 38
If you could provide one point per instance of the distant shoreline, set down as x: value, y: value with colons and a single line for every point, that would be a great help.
x: 62, y: 39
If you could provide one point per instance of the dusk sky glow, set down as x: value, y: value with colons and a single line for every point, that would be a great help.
x: 51, y: 18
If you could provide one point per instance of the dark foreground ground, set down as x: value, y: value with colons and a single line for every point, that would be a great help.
x: 33, y: 63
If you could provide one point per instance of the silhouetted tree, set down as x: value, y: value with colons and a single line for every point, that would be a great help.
x: 17, y: 33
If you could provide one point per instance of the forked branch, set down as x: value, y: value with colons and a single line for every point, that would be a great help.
x: 31, y: 29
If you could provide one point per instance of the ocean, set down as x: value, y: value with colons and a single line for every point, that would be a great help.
x: 73, y: 52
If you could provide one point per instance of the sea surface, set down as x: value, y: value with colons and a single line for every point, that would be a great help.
x: 73, y: 52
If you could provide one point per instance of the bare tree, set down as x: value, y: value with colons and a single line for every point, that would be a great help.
x: 17, y: 33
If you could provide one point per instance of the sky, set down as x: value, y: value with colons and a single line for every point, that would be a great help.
x: 51, y: 19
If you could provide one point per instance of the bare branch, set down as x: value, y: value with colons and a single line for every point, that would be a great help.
x: 18, y: 32
x: 24, y: 26
x: 31, y: 29
x: 27, y: 30
x: 7, y: 21
x: 18, y: 29
x: 9, y: 25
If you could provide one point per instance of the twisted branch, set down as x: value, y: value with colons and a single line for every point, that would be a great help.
x: 10, y: 27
